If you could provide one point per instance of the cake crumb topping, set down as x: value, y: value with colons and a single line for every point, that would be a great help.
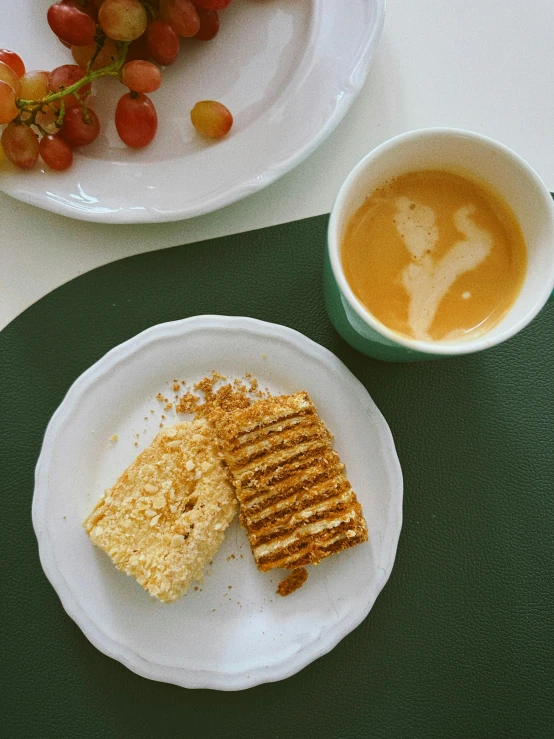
x: 292, y: 582
x: 228, y: 397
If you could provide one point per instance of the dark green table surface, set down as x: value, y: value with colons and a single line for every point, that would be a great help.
x: 461, y: 641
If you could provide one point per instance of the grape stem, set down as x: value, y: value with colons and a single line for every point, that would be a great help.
x: 35, y: 106
x: 61, y: 115
x: 32, y: 119
x: 100, y: 39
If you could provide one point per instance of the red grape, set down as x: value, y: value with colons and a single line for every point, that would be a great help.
x: 211, y: 119
x: 163, y: 42
x: 211, y: 4
x: 8, y: 108
x: 8, y: 75
x: 181, y: 15
x: 55, y: 152
x: 34, y: 85
x: 76, y: 130
x: 87, y: 6
x: 136, y: 120
x: 209, y: 25
x: 138, y: 49
x: 13, y: 60
x: 95, y: 7
x: 65, y: 76
x: 122, y: 20
x: 20, y: 145
x: 71, y: 25
x: 106, y: 56
x: 141, y: 76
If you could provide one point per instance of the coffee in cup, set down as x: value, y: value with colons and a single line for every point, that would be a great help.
x: 461, y: 250
x: 435, y: 256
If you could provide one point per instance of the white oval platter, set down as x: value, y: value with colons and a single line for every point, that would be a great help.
x: 287, y: 69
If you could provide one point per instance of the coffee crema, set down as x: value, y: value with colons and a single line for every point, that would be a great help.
x: 435, y: 256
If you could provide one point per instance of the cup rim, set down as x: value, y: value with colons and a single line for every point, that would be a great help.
x: 446, y: 348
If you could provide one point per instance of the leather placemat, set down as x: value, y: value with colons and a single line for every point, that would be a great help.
x: 459, y: 643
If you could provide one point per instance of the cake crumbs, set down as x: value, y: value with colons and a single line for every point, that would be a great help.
x: 196, y: 587
x: 188, y: 403
x: 168, y: 407
x: 226, y: 398
x: 114, y: 437
x: 292, y: 582
x: 206, y: 385
x: 176, y: 386
x: 233, y: 395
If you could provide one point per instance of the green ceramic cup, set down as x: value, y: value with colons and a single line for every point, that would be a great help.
x: 465, y: 153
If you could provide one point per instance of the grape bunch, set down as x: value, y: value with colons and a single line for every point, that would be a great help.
x: 46, y: 114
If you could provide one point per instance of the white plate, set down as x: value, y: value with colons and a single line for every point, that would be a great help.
x: 287, y: 69
x: 206, y: 639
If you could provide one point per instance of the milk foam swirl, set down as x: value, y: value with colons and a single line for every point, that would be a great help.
x: 427, y: 279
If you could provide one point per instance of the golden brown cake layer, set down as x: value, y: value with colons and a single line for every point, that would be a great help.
x: 296, y: 502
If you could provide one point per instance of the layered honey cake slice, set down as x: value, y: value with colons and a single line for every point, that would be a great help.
x: 295, y: 500
x: 166, y: 515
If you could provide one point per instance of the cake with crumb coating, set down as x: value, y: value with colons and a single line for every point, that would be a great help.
x: 165, y: 517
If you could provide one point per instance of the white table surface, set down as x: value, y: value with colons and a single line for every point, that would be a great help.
x: 483, y: 65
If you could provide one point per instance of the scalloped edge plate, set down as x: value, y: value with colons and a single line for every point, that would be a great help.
x: 234, y: 648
